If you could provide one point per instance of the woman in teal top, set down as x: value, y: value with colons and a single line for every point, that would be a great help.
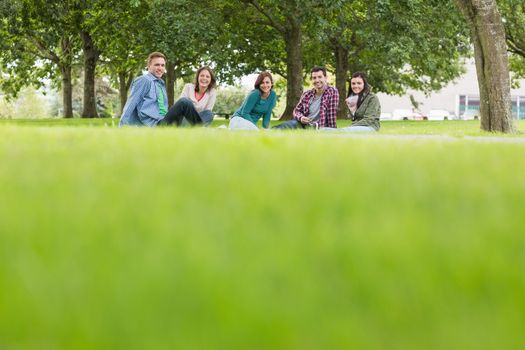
x: 259, y: 103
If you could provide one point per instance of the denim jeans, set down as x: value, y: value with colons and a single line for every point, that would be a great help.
x: 290, y: 124
x: 207, y: 117
x: 182, y: 109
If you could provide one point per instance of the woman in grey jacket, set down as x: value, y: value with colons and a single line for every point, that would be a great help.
x: 363, y: 105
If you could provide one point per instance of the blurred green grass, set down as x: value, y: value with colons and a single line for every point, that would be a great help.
x: 454, y: 128
x: 207, y: 239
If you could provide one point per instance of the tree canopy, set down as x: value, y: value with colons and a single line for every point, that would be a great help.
x: 416, y: 44
x: 513, y: 13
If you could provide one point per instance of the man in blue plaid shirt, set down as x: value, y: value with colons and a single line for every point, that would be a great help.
x: 317, y: 107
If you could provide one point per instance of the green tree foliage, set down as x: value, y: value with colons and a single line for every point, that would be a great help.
x: 513, y: 13
x: 28, y: 104
x: 84, y: 12
x: 395, y: 43
x: 184, y: 30
x: 115, y: 31
x: 39, y: 44
x: 229, y: 99
x: 400, y: 44
x: 242, y: 49
x: 284, y: 22
x: 402, y: 48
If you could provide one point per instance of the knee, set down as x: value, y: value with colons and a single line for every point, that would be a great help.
x: 184, y: 101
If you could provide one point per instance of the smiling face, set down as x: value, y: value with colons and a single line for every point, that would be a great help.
x: 204, y: 79
x: 157, y: 66
x: 318, y: 80
x: 357, y: 84
x: 266, y: 85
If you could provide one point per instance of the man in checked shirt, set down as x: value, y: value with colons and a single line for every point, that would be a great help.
x: 317, y: 107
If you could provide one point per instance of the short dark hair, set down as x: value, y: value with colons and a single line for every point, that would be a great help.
x: 260, y: 79
x: 317, y: 69
x: 155, y: 54
x: 213, y: 81
x: 366, y: 87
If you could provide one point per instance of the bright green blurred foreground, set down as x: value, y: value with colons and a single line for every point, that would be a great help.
x: 209, y: 239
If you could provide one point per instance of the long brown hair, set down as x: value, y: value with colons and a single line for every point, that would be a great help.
x: 213, y: 82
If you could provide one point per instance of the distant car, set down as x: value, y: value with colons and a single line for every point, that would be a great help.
x: 418, y: 116
x: 438, y: 114
x: 405, y: 114
x: 470, y: 114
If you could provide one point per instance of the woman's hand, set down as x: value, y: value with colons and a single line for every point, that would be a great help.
x: 351, y: 102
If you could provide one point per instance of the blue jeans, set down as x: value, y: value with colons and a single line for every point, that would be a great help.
x: 290, y: 124
x: 207, y: 117
x: 182, y: 109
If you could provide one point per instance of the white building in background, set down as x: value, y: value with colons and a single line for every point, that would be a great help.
x: 460, y: 97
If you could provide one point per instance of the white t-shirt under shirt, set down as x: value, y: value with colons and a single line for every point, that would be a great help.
x: 205, y: 103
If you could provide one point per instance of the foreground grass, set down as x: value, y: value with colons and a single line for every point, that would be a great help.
x: 454, y: 128
x: 208, y: 239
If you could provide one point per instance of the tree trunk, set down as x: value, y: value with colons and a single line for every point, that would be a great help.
x: 341, y: 75
x: 124, y: 81
x: 67, y: 91
x: 170, y: 83
x: 65, y: 66
x: 90, y: 63
x: 490, y: 52
x: 294, y: 68
x: 122, y: 89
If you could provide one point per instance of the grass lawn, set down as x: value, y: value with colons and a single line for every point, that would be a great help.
x: 209, y: 239
x: 454, y: 128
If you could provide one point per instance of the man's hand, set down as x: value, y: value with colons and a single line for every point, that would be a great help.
x: 305, y: 120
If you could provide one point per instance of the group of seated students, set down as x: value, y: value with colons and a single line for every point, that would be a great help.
x: 148, y: 103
